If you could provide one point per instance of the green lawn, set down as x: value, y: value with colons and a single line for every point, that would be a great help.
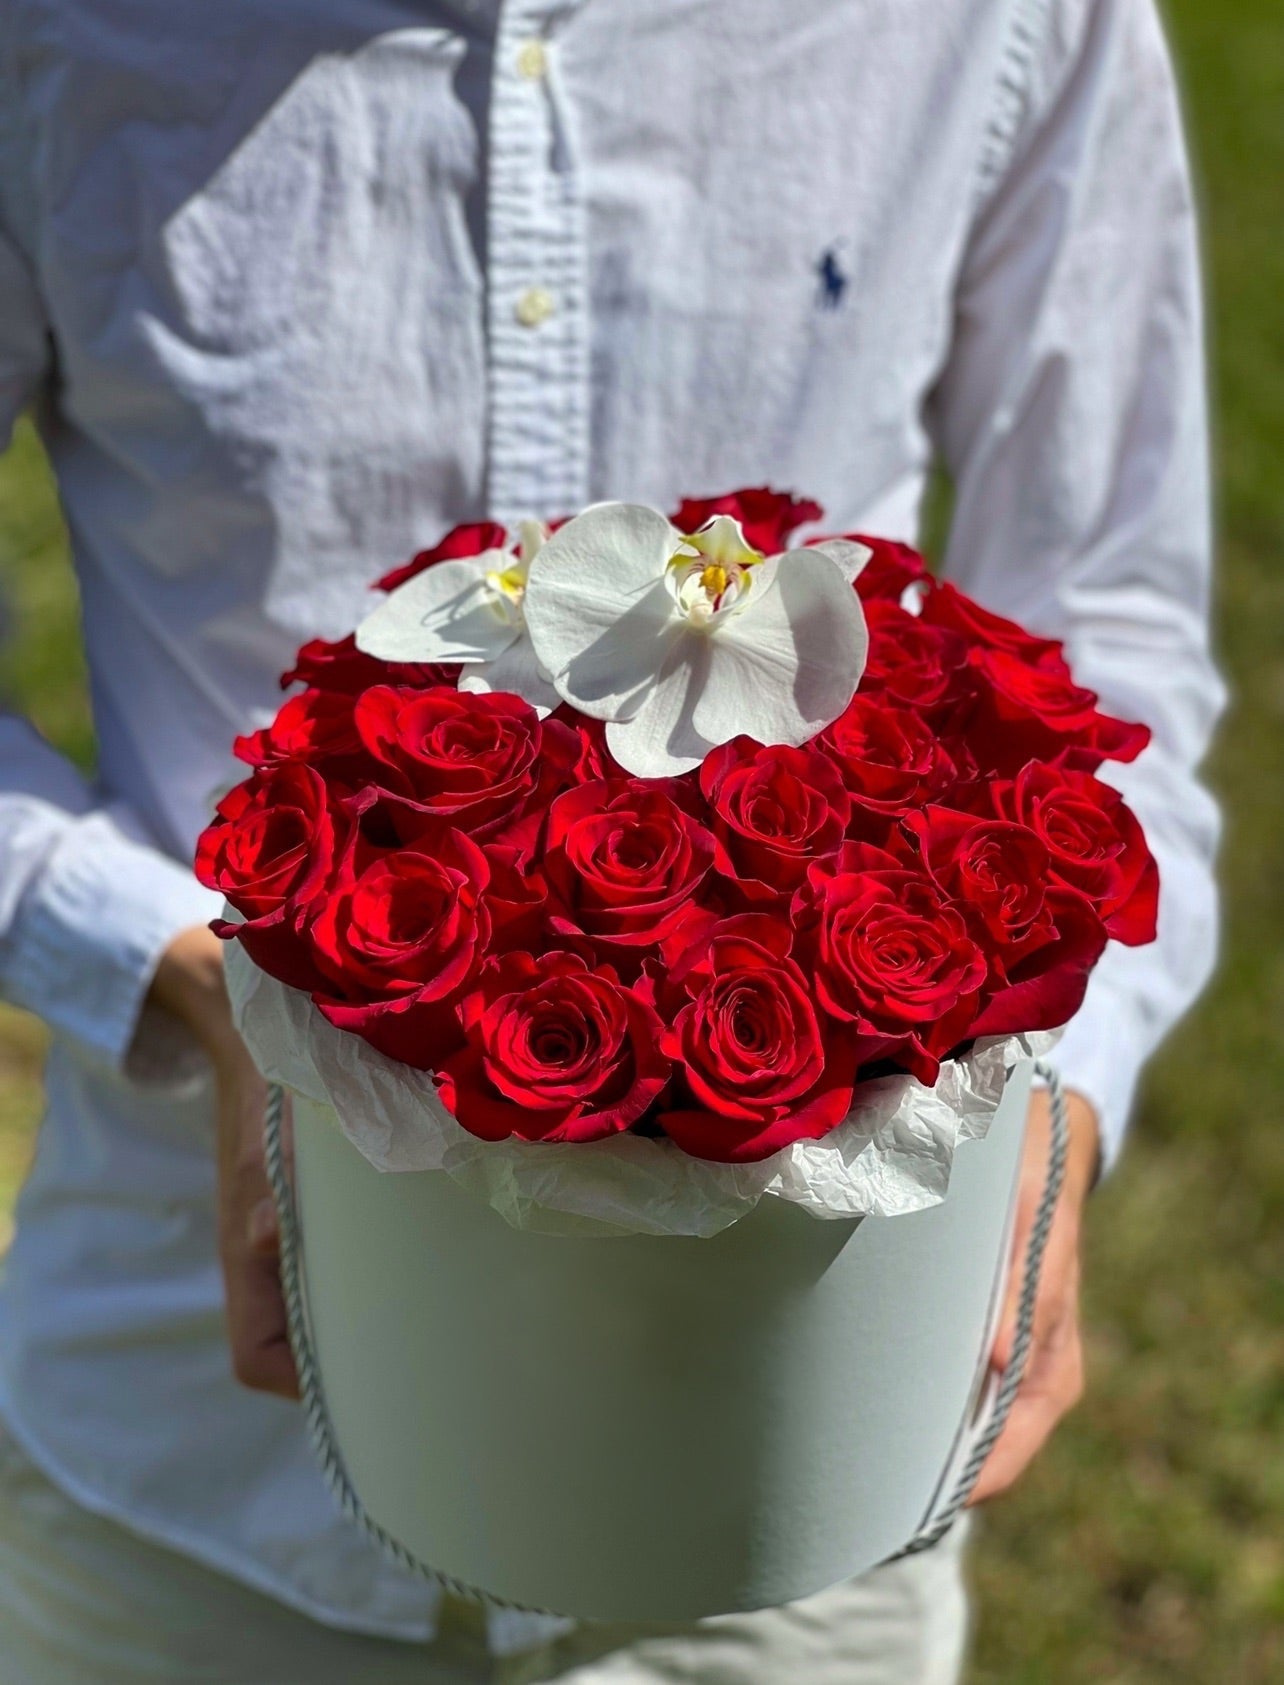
x: 1148, y: 1546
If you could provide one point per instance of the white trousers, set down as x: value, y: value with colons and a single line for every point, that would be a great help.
x: 84, y: 1602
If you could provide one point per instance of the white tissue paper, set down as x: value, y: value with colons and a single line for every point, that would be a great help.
x: 892, y: 1155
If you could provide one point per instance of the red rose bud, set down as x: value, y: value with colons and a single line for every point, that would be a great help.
x: 517, y: 897
x: 758, y: 1070
x: 911, y: 664
x: 397, y: 939
x: 623, y: 861
x: 315, y: 726
x: 889, y: 758
x: 1041, y: 942
x: 1026, y: 713
x: 470, y: 539
x: 270, y: 853
x: 590, y: 759
x: 775, y: 810
x: 894, y: 957
x: 556, y: 1050
x: 945, y: 605
x: 450, y: 757
x: 1094, y: 843
x: 1044, y: 987
x: 994, y: 870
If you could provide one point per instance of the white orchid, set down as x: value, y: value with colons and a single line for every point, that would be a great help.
x: 683, y: 641
x: 468, y: 610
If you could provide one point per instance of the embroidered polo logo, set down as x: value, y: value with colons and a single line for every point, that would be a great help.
x: 832, y: 280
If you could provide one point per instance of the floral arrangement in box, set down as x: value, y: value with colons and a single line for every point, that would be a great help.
x: 672, y: 825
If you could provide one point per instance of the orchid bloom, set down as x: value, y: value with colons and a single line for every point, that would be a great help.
x: 469, y: 610
x: 683, y: 641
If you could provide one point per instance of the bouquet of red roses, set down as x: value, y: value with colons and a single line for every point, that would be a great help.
x: 671, y: 825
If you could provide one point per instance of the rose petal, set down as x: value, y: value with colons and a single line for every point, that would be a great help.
x: 447, y: 613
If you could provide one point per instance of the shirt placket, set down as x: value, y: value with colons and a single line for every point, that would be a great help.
x: 537, y: 296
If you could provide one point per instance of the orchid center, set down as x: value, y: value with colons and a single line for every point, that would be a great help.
x: 711, y: 572
x: 508, y: 584
x: 508, y: 587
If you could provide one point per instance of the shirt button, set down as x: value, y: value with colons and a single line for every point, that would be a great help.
x: 532, y: 60
x: 534, y: 307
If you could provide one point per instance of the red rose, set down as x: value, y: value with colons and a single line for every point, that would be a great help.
x: 995, y: 869
x: 314, y: 726
x: 1094, y: 843
x: 555, y: 1050
x: 893, y: 957
x: 1026, y: 713
x: 623, y: 861
x: 270, y: 853
x: 470, y: 539
x: 1041, y: 941
x: 757, y: 1069
x: 451, y: 756
x: 889, y: 758
x: 775, y: 810
x: 590, y: 759
x: 397, y: 939
x: 768, y: 518
x: 517, y: 897
x: 945, y: 605
x: 344, y: 668
x: 916, y: 665
x: 1045, y: 987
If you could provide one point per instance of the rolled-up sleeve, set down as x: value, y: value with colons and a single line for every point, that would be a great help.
x: 87, y: 905
x: 1072, y: 415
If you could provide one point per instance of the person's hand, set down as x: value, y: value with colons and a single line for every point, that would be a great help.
x: 1053, y: 1381
x: 189, y: 983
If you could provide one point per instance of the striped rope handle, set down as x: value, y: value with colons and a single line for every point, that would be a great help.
x: 940, y: 1521
x: 330, y: 1458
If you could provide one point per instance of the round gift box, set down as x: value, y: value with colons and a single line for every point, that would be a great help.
x: 642, y: 1427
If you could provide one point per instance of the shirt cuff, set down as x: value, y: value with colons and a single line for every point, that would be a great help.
x: 89, y: 934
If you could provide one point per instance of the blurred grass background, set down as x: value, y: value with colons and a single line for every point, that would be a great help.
x: 1147, y: 1547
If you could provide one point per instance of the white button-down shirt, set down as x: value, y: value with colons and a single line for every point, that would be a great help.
x: 296, y: 286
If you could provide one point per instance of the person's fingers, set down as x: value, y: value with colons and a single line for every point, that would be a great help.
x: 1053, y: 1380
x: 1040, y: 1405
x: 257, y: 1329
x: 263, y: 1229
x: 1057, y: 1293
x: 1027, y: 1431
x: 1051, y: 1387
x: 249, y: 1244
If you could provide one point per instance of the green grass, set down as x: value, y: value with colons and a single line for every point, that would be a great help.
x: 42, y: 673
x: 1147, y: 1546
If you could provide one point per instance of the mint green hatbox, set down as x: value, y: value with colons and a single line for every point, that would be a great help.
x: 646, y: 1427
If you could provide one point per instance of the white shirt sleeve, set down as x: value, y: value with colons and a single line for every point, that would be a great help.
x: 1072, y: 415
x: 87, y: 906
